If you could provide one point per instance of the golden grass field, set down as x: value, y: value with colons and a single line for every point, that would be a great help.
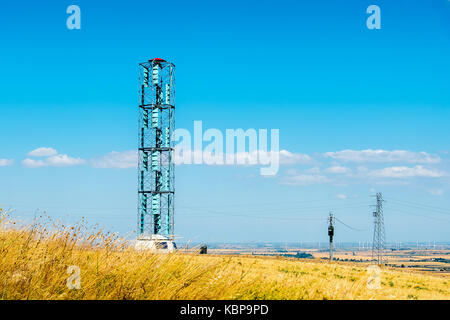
x: 34, y: 261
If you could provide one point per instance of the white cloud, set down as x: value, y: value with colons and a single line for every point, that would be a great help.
x: 129, y: 159
x: 60, y: 160
x: 52, y: 159
x: 31, y: 163
x: 114, y: 159
x: 436, y: 192
x: 287, y: 157
x: 305, y: 179
x: 43, y: 152
x: 405, y: 172
x: 63, y: 160
x: 257, y: 157
x: 383, y: 156
x: 6, y: 162
x: 338, y: 169
x: 362, y: 169
x: 314, y: 170
x: 342, y: 196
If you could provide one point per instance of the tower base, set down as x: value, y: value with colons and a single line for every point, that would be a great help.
x: 155, y: 243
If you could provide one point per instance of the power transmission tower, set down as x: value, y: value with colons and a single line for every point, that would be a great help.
x: 331, y: 234
x: 378, y: 246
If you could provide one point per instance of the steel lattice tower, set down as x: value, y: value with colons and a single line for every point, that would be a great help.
x: 156, y: 169
x: 378, y: 246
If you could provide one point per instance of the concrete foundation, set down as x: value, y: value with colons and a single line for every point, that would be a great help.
x: 155, y: 243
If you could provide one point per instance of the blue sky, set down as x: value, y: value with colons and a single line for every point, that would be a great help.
x: 311, y: 69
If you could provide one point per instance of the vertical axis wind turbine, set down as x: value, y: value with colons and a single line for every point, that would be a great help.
x: 156, y: 169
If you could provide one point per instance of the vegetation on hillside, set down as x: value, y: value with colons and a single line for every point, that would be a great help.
x: 36, y: 260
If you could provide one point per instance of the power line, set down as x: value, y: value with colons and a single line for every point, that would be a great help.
x: 420, y: 215
x: 350, y: 227
x: 293, y: 209
x: 420, y: 206
x: 324, y: 203
x: 290, y: 210
x: 263, y: 217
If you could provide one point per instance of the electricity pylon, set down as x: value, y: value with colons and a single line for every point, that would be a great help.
x: 378, y: 246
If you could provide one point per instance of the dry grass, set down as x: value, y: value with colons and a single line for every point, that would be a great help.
x: 34, y: 262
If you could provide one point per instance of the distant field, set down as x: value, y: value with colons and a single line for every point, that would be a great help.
x: 427, y: 260
x: 34, y: 262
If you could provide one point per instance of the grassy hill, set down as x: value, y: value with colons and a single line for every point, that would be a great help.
x: 34, y: 264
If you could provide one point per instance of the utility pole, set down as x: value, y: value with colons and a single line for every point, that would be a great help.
x: 331, y: 234
x: 378, y: 246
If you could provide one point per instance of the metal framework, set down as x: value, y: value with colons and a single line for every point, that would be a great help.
x: 378, y: 246
x: 156, y: 169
